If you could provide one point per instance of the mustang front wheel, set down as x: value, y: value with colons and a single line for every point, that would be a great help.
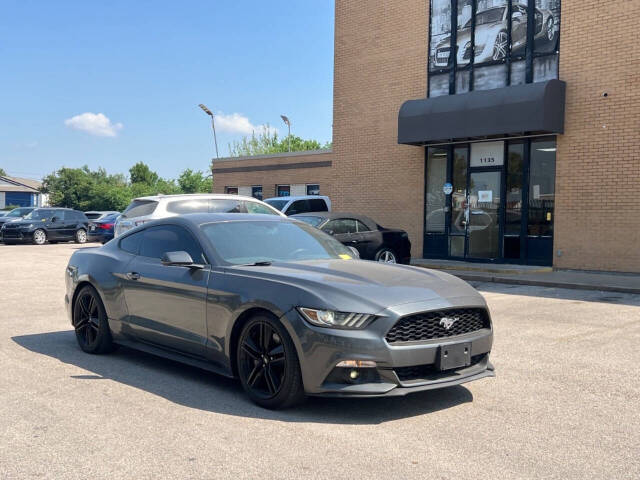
x: 268, y: 364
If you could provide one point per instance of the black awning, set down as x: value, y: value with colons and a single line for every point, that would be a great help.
x: 534, y: 108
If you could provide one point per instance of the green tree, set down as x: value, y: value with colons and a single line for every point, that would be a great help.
x: 2, y: 172
x: 69, y: 187
x: 267, y: 142
x: 141, y: 173
x: 194, y: 182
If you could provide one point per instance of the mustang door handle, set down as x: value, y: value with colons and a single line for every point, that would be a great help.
x: 133, y: 276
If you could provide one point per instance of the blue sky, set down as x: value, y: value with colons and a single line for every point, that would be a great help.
x: 146, y: 65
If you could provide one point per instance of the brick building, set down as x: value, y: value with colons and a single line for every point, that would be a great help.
x: 521, y: 147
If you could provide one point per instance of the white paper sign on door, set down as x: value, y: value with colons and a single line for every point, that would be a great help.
x: 487, y: 154
x: 485, y: 196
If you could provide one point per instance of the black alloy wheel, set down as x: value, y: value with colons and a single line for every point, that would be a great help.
x: 268, y: 364
x: 90, y: 322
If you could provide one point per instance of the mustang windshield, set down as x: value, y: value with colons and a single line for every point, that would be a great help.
x: 248, y: 242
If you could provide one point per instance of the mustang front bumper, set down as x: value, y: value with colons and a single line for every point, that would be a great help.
x: 400, y: 368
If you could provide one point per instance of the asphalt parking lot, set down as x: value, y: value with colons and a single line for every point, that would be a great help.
x: 564, y: 403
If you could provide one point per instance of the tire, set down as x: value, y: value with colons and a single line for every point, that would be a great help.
x: 81, y: 235
x: 39, y: 237
x: 90, y: 322
x: 268, y: 365
x: 386, y: 255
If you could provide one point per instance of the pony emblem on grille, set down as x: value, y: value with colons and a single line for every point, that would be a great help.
x: 447, y: 322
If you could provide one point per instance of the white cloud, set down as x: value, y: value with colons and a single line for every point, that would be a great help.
x: 239, y: 124
x: 94, y: 124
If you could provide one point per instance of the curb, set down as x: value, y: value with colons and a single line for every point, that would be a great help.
x: 543, y: 283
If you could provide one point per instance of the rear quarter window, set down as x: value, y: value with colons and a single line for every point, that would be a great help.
x: 140, y: 208
x: 318, y: 205
x: 131, y: 243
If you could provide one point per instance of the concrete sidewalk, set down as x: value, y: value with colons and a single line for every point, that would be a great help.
x: 538, y: 276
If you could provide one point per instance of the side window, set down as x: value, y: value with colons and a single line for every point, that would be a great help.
x: 362, y: 227
x: 131, y: 243
x: 254, y: 207
x: 188, y: 206
x: 226, y: 206
x: 341, y: 226
x: 169, y: 238
x: 299, y: 206
x: 317, y: 205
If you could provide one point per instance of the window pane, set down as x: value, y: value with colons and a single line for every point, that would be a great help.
x: 464, y: 33
x: 438, y: 85
x: 440, y: 34
x: 518, y: 29
x: 487, y: 78
x: 299, y: 206
x: 514, y: 189
x: 491, y: 38
x: 547, y: 23
x: 130, y: 243
x: 283, y: 190
x: 226, y: 206
x: 456, y: 246
x: 436, y: 178
x: 341, y: 226
x: 169, y: 238
x: 256, y: 208
x: 361, y: 226
x: 459, y: 195
x: 140, y: 208
x: 313, y: 189
x: 231, y: 190
x: 542, y: 178
x: 545, y: 68
x: 318, y: 205
x: 463, y: 78
x: 518, y: 72
x: 188, y: 206
x: 256, y: 192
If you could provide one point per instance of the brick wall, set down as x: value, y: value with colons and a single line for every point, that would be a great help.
x: 598, y: 158
x: 222, y: 177
x: 380, y: 61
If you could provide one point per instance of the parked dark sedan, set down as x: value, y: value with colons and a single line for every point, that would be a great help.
x: 279, y: 304
x: 101, y: 230
x: 372, y: 241
x: 42, y: 224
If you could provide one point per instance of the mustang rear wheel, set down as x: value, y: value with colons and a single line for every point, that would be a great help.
x: 90, y: 322
x: 268, y: 364
x: 39, y: 237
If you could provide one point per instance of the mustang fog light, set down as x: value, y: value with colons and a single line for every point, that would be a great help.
x: 357, y: 364
x: 329, y: 318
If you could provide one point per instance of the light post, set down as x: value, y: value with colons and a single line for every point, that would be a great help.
x: 213, y: 125
x: 288, y: 124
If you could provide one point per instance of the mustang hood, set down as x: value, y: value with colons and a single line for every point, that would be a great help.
x: 362, y: 286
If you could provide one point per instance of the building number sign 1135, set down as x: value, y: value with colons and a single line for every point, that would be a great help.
x: 487, y: 154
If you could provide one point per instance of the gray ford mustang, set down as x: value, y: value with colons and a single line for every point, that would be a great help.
x: 280, y: 305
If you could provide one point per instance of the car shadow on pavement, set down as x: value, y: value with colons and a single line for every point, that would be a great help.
x: 196, y: 388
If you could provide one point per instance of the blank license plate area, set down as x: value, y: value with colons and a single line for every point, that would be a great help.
x: 454, y: 356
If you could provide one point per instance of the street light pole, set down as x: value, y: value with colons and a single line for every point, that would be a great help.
x: 287, y: 122
x: 213, y: 125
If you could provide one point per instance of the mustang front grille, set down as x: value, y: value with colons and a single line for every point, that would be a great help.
x: 438, y: 324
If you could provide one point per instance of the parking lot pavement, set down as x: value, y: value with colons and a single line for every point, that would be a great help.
x: 564, y: 403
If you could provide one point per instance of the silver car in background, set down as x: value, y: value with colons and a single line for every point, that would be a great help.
x: 146, y: 209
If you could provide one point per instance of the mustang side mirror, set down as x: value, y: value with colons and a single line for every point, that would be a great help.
x: 179, y: 259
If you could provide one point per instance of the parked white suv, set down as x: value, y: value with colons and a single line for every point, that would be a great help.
x: 300, y: 204
x: 146, y: 209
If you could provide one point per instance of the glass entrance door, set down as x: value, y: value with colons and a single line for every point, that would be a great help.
x: 483, y: 214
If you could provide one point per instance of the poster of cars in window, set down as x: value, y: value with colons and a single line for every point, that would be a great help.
x: 440, y: 34
x: 491, y: 43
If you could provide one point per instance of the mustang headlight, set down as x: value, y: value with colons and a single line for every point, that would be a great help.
x: 329, y: 318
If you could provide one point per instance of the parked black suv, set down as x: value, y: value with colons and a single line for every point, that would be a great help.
x: 42, y: 224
